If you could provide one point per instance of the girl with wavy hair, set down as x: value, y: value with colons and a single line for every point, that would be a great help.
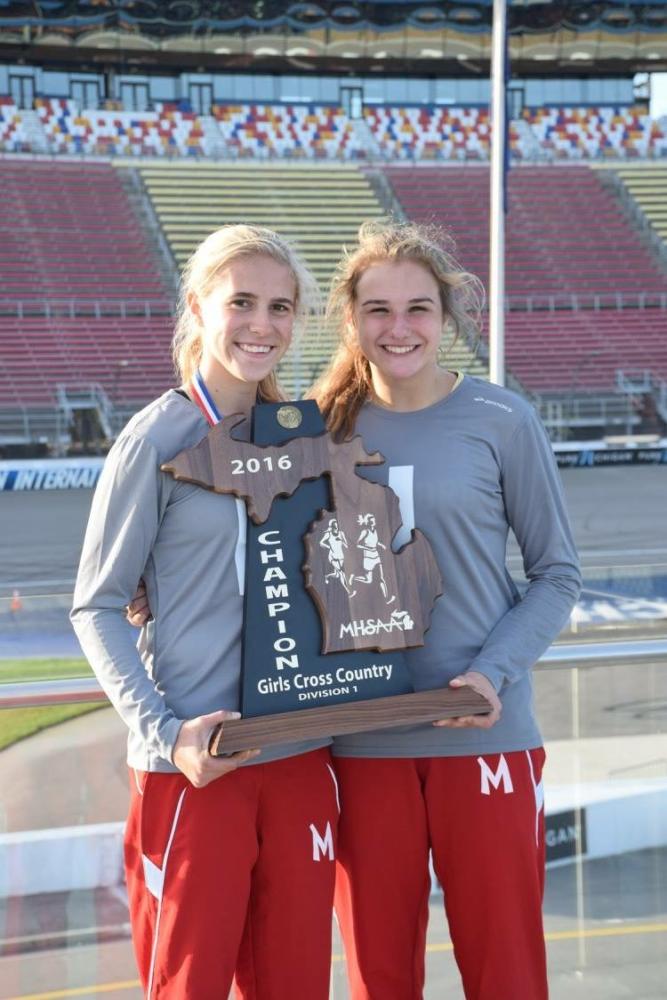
x: 469, y: 461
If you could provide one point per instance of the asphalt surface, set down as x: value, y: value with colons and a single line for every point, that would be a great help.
x: 619, y: 518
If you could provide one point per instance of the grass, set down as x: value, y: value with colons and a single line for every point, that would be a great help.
x: 42, y: 669
x: 20, y: 723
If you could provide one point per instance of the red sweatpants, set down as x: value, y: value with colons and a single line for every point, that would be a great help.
x: 234, y: 881
x: 482, y: 819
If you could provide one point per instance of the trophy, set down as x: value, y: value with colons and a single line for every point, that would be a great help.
x: 329, y: 606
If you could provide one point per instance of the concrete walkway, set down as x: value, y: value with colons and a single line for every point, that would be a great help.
x: 73, y: 773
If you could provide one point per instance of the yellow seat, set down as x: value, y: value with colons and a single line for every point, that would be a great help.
x: 319, y: 209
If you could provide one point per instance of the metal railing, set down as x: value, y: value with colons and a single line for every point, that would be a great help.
x: 71, y: 308
x: 25, y: 424
x: 535, y: 155
x: 39, y: 693
x: 579, y: 301
x: 561, y: 417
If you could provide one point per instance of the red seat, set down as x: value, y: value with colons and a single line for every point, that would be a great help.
x: 68, y: 234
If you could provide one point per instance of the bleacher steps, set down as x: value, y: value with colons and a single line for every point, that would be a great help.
x: 213, y: 143
x: 530, y: 145
x: 364, y: 136
x: 319, y: 208
x: 34, y: 131
x: 136, y: 193
x: 640, y: 208
x: 635, y: 384
x: 76, y: 399
x: 647, y: 188
x: 384, y: 193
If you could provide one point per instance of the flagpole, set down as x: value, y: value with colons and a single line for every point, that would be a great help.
x: 497, y: 234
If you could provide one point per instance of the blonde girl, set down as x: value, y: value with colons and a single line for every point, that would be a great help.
x: 223, y: 879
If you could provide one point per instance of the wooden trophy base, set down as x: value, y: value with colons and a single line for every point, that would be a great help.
x: 352, y: 717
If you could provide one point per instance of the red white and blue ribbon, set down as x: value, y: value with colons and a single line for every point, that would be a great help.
x: 204, y: 400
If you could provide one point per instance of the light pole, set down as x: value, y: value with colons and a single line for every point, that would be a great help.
x: 497, y: 231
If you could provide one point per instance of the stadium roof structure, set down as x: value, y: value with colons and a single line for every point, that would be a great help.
x: 343, y: 36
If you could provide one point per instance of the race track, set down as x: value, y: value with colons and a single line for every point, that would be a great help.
x: 619, y: 517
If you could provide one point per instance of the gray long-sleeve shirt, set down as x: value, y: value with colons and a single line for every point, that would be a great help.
x: 467, y: 469
x: 188, y: 544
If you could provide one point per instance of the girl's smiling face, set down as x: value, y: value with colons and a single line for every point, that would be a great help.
x: 398, y: 320
x: 247, y: 319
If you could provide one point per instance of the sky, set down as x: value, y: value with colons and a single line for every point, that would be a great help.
x: 658, y: 95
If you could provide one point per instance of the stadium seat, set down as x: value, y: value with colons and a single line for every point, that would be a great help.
x: 128, y: 357
x: 291, y: 131
x: 72, y: 252
x: 581, y: 350
x: 68, y: 231
x: 13, y: 135
x: 428, y: 132
x: 169, y: 130
x: 647, y: 186
x: 190, y: 201
x: 569, y: 245
x: 567, y: 234
x: 571, y: 133
x: 319, y: 131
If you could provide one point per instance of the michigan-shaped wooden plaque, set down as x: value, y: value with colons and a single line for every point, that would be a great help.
x: 329, y: 606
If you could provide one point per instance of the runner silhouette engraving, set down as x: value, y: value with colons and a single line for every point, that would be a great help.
x: 369, y: 543
x: 409, y: 579
x: 335, y: 541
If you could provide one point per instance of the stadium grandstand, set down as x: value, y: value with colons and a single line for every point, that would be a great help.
x: 125, y: 138
x: 129, y: 130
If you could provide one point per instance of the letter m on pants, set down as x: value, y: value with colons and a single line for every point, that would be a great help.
x: 322, y: 846
x: 489, y: 777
